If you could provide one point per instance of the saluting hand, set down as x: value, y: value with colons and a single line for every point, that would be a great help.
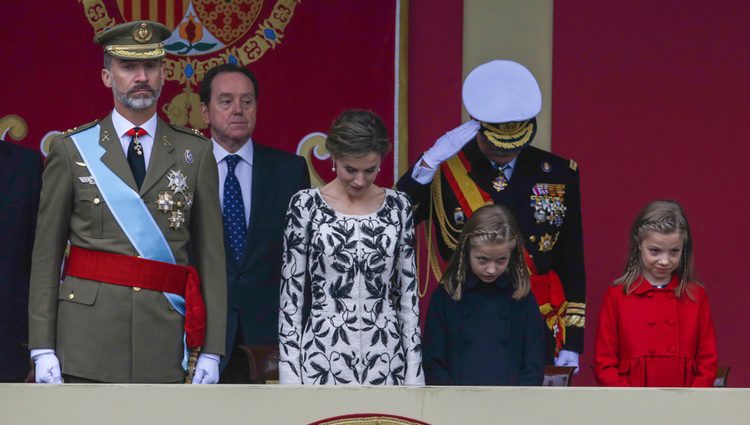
x: 450, y: 143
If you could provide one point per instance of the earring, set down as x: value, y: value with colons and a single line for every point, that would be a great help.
x: 378, y: 169
x: 333, y: 167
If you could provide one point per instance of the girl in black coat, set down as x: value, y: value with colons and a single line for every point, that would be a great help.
x: 483, y: 325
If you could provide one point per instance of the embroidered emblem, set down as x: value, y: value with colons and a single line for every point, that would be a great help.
x: 105, y: 136
x: 458, y: 216
x: 188, y: 156
x: 87, y: 179
x: 177, y: 181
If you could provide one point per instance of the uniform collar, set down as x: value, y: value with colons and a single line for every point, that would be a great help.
x: 643, y: 286
x: 473, y: 282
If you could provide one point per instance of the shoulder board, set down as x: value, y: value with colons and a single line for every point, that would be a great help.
x: 80, y: 128
x: 573, y: 165
x: 191, y: 131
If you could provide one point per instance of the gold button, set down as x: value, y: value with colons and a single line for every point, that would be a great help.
x: 71, y: 296
x: 136, y: 289
x: 96, y: 201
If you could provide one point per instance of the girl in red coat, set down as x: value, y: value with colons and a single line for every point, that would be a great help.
x: 655, y: 327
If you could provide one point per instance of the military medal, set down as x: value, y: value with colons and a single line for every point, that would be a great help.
x: 548, y: 201
x: 500, y: 182
x: 176, y: 219
x: 176, y: 203
x: 540, y: 216
x: 138, y: 147
x: 177, y: 181
x: 188, y: 200
x: 165, y: 202
x: 547, y: 242
x: 188, y: 156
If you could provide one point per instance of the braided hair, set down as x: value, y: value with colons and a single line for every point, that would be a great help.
x: 665, y: 217
x: 488, y: 224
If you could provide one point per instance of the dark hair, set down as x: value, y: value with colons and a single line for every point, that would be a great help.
x: 357, y: 132
x: 663, y: 217
x: 205, y: 89
x: 490, y: 223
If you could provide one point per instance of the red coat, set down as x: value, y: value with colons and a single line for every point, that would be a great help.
x: 651, y: 338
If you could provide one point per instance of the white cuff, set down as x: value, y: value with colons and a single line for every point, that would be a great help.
x: 424, y: 175
x: 39, y: 351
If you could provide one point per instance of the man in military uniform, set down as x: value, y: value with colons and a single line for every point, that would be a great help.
x: 490, y: 159
x: 133, y: 195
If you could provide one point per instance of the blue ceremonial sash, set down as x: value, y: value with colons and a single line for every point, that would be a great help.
x: 128, y: 209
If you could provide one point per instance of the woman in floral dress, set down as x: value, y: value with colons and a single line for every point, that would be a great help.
x: 353, y: 243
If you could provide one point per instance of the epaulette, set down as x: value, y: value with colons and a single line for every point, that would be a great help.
x: 80, y: 128
x: 191, y: 131
x: 573, y: 165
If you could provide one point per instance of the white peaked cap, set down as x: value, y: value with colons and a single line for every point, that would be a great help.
x: 501, y: 91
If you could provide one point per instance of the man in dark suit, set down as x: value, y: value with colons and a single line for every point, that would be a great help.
x: 20, y: 183
x: 253, y: 179
x: 490, y: 160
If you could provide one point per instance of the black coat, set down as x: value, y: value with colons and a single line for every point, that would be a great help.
x: 486, y: 338
x: 534, y: 167
x: 253, y: 283
x: 20, y: 183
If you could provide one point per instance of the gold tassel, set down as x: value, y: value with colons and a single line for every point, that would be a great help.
x: 192, y: 360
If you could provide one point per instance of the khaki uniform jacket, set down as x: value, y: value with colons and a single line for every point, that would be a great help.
x: 116, y: 333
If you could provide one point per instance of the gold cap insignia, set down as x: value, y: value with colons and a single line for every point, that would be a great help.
x: 142, y: 33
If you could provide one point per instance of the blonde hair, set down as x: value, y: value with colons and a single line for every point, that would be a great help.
x: 495, y: 224
x: 665, y: 217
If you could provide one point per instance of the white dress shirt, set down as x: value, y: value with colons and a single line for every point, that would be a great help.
x: 122, y: 125
x: 243, y: 171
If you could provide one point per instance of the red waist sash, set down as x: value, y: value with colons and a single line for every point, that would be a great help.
x: 131, y: 271
x: 548, y: 291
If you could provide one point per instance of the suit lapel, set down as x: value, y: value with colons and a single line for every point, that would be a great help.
x: 114, y: 156
x: 262, y: 197
x: 7, y: 167
x: 161, y: 157
x: 519, y: 182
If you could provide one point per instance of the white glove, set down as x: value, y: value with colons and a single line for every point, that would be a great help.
x: 567, y: 358
x: 46, y: 367
x: 206, y: 369
x: 450, y: 143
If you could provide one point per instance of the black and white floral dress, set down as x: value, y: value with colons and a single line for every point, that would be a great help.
x: 363, y: 326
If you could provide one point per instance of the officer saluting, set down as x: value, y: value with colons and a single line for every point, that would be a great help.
x: 490, y: 159
x: 131, y: 194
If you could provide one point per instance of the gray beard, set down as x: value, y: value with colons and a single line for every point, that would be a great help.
x: 137, y: 103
